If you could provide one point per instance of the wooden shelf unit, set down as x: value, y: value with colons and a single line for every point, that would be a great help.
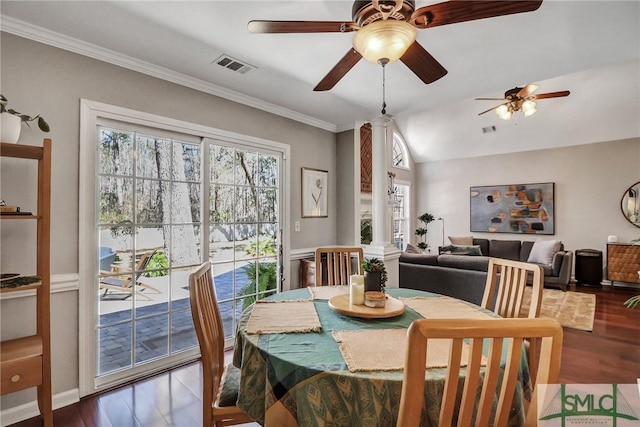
x: 623, y: 262
x: 26, y: 362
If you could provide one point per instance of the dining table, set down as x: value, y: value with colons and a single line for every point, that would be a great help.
x: 306, y: 361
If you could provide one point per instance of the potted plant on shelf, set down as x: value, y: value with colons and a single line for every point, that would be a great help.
x: 421, y: 232
x: 12, y: 121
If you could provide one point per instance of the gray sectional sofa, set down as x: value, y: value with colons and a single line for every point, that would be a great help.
x: 464, y: 276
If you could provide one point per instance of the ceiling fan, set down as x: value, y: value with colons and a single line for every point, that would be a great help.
x: 385, y: 30
x: 520, y: 98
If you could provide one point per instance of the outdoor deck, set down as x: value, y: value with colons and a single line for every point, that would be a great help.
x: 154, y: 325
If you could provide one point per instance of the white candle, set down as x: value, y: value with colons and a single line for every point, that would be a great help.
x: 356, y: 290
x: 357, y: 278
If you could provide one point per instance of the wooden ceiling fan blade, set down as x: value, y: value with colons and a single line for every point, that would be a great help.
x: 339, y: 70
x: 425, y: 66
x: 552, y: 94
x: 526, y: 91
x: 455, y: 11
x: 269, y: 27
x: 491, y: 109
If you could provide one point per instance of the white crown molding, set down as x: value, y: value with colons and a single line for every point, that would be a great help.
x: 51, y: 38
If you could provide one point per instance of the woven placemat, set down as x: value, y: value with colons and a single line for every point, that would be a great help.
x: 327, y: 292
x: 277, y: 317
x: 384, y: 350
x: 444, y: 308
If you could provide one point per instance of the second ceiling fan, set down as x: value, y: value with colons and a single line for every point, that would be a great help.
x: 385, y: 30
x: 520, y: 99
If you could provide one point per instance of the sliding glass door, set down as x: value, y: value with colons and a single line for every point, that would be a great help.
x: 164, y: 204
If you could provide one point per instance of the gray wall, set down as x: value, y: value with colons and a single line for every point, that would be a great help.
x: 589, y: 183
x: 346, y: 189
x: 39, y: 79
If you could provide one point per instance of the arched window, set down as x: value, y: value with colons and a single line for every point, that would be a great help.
x: 399, y: 152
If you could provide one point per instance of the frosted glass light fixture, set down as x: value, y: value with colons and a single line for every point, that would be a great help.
x: 388, y: 39
x: 504, y: 112
x: 529, y: 108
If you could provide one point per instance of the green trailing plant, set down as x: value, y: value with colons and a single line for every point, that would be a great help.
x: 42, y: 124
x: 375, y: 265
x: 421, y: 232
x: 632, y: 302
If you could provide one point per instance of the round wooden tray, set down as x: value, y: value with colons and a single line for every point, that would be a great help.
x: 392, y: 308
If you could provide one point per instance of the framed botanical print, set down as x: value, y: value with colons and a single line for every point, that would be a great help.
x: 314, y: 193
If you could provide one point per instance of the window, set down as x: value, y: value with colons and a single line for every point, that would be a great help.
x: 401, y: 232
x: 400, y: 158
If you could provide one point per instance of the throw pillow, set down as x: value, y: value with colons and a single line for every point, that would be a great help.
x: 412, y: 249
x: 465, y: 240
x: 473, y: 250
x: 543, y: 250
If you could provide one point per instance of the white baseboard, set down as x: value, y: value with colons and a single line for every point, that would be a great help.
x: 29, y: 410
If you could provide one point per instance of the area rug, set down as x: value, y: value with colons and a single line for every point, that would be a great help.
x: 571, y: 309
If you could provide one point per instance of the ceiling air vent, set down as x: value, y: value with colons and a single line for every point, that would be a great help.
x: 488, y: 129
x: 233, y: 64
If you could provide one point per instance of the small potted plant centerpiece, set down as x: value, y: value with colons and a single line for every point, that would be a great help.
x: 375, y: 280
x: 12, y: 121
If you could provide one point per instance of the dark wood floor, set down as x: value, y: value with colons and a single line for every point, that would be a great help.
x: 609, y: 354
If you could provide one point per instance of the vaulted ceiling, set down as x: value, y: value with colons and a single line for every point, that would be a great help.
x: 591, y: 48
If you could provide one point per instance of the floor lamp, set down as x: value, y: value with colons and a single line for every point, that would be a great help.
x: 442, y: 219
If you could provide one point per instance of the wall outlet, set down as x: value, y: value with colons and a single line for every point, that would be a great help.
x: 296, y: 225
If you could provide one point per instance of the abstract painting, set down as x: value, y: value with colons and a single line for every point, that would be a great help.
x: 515, y: 208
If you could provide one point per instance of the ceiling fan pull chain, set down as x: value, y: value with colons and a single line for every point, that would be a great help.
x: 383, y: 62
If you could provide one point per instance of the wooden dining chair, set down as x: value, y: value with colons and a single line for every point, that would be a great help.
x: 505, y: 286
x: 219, y: 383
x: 336, y: 264
x: 481, y: 380
x: 504, y: 293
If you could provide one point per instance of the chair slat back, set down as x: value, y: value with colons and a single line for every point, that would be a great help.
x: 339, y: 263
x: 495, y: 397
x: 210, y: 333
x: 505, y: 286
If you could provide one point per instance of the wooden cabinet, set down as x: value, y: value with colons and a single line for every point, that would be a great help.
x: 623, y: 262
x: 26, y: 362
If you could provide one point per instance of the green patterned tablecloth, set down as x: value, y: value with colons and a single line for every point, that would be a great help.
x: 305, y: 373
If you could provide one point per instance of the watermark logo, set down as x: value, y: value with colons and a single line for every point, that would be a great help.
x: 616, y: 405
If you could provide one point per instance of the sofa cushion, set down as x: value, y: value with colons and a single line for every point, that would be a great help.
x: 525, y: 250
x: 464, y: 240
x: 543, y: 251
x: 423, y: 259
x: 412, y: 249
x: 473, y: 250
x: 506, y: 249
x: 484, y: 245
x: 478, y: 263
